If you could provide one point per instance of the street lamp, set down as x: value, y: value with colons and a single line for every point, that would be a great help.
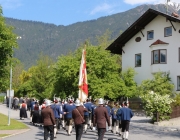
x: 10, y: 89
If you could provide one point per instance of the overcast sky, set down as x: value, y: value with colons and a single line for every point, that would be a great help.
x: 66, y: 12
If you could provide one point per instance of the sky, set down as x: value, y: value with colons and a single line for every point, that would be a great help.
x: 67, y: 12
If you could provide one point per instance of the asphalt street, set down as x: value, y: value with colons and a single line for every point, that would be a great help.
x: 140, y: 129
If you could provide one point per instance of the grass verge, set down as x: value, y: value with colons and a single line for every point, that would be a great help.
x: 13, y: 126
x: 3, y: 135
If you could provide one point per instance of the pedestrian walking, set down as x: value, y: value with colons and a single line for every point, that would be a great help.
x: 78, y: 116
x: 57, y: 111
x: 126, y: 114
x: 23, y: 108
x: 48, y: 121
x: 100, y: 118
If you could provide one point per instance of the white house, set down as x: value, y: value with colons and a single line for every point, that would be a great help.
x: 151, y: 44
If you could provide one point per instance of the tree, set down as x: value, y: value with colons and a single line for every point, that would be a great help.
x: 103, y: 73
x: 37, y: 81
x: 160, y: 84
x: 7, y: 43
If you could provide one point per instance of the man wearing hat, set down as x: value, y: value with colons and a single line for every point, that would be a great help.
x: 68, y: 117
x: 100, y: 119
x: 126, y: 114
x: 48, y: 120
x: 57, y: 111
x: 78, y: 116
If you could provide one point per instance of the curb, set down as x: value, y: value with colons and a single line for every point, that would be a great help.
x: 10, y: 135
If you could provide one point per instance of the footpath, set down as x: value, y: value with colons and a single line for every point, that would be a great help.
x: 13, y: 115
x: 140, y: 127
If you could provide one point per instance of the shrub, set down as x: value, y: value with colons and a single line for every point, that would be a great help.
x: 155, y: 103
x: 1, y: 99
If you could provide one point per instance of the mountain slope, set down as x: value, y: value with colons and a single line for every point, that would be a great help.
x: 55, y: 40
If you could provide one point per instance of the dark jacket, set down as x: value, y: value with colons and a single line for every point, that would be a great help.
x: 48, y: 116
x: 101, y: 117
x: 76, y: 115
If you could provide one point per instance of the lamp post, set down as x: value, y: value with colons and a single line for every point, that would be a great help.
x: 10, y: 88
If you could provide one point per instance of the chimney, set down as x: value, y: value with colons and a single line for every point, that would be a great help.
x: 175, y: 15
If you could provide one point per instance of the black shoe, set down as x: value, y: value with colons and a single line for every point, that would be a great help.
x: 85, y: 131
x: 69, y: 134
x: 111, y: 131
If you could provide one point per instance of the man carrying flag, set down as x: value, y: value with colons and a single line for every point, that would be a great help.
x: 83, y: 86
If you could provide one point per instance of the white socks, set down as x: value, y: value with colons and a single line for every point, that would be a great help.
x: 85, y: 127
x: 70, y: 129
x: 125, y: 135
x: 55, y: 131
x: 117, y: 128
x: 63, y: 123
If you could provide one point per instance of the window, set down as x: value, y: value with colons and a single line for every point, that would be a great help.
x: 137, y: 60
x: 168, y: 31
x: 178, y: 83
x: 150, y: 35
x: 159, y: 56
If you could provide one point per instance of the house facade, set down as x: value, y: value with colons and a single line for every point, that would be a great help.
x: 151, y: 44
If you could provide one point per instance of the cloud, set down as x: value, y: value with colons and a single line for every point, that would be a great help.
x: 103, y: 8
x: 10, y: 4
x: 134, y: 2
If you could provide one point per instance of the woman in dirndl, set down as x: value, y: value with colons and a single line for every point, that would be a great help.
x: 23, y: 108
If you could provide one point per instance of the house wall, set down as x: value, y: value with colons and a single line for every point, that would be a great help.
x: 144, y: 47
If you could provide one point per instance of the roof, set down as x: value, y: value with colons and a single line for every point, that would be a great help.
x: 138, y: 25
x: 158, y: 42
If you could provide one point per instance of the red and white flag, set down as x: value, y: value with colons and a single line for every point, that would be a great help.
x: 83, y: 85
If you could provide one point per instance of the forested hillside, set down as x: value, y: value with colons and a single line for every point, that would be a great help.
x: 55, y: 40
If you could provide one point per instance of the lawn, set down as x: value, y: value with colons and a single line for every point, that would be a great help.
x: 13, y: 125
x: 3, y: 135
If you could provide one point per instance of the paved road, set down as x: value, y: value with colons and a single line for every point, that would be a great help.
x: 139, y: 129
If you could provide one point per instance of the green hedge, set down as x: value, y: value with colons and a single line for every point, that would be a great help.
x: 1, y: 99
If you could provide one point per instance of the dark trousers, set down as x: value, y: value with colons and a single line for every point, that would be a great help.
x: 125, y: 125
x: 47, y: 129
x: 79, y: 131
x: 101, y: 132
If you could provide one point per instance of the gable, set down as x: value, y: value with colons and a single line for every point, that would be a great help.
x: 137, y: 26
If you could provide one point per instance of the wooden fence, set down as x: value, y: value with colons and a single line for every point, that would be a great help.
x: 175, y: 112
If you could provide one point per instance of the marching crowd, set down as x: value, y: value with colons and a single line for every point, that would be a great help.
x: 97, y: 115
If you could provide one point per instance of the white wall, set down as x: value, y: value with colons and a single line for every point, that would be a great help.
x: 144, y: 47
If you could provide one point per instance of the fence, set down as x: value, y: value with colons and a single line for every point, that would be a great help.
x: 175, y: 112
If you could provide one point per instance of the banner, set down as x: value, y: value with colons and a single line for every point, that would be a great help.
x: 83, y: 85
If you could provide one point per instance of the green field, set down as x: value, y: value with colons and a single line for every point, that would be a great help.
x: 14, y: 124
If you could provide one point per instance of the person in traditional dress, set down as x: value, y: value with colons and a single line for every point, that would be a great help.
x: 115, y: 121
x: 87, y: 104
x: 35, y: 118
x: 57, y: 111
x: 68, y: 108
x: 48, y: 121
x: 78, y: 117
x: 100, y: 119
x: 23, y: 110
x: 126, y: 114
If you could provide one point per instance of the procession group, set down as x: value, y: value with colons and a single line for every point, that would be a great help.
x: 98, y: 115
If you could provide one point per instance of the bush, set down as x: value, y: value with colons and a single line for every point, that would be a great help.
x: 155, y: 103
x: 177, y: 100
x: 1, y: 99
